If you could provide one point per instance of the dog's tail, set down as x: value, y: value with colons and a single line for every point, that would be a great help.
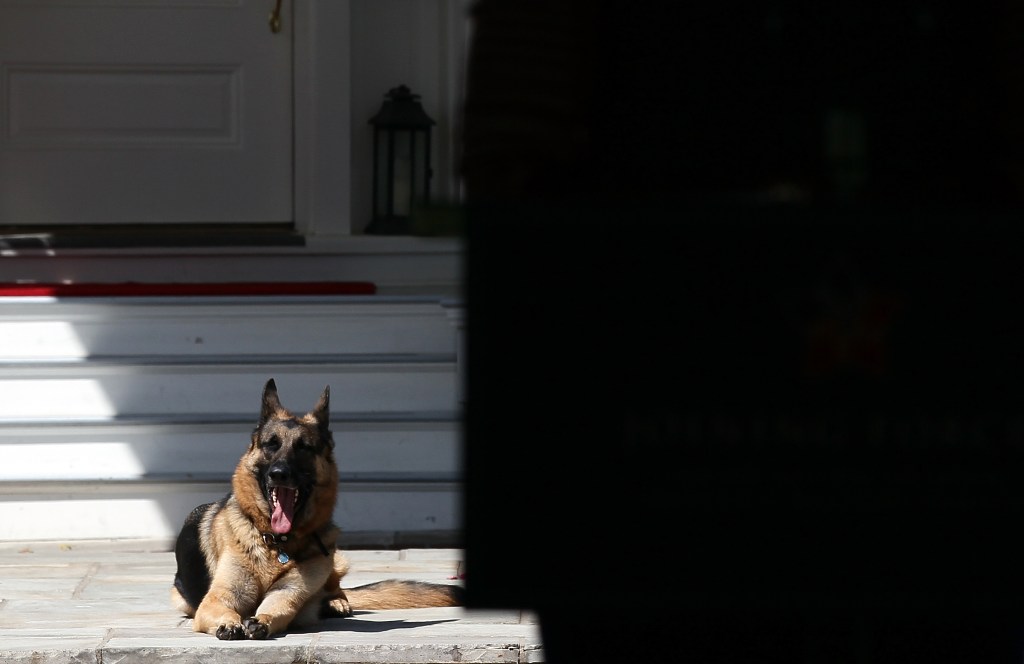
x: 403, y: 594
x: 388, y: 594
x: 391, y: 594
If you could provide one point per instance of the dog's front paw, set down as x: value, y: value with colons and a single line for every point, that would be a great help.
x: 230, y: 632
x: 254, y: 629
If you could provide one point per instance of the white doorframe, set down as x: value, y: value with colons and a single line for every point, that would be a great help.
x: 323, y: 162
x: 323, y: 103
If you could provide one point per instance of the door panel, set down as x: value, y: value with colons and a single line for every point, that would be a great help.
x: 144, y: 111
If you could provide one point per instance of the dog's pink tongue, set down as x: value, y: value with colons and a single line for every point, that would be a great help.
x: 284, y: 509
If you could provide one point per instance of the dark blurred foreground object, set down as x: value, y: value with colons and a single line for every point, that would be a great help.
x: 755, y: 428
x: 745, y: 365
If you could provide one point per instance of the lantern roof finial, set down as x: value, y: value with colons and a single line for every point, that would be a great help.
x: 402, y: 92
x: 401, y: 110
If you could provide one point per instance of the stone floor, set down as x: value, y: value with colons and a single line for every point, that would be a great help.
x: 108, y: 601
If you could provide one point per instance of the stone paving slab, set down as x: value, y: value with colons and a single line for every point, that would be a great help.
x: 107, y: 602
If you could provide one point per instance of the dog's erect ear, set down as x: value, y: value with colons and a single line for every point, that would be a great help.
x: 271, y: 403
x: 322, y: 412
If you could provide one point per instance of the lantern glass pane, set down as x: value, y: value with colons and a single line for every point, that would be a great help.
x: 381, y: 180
x: 402, y: 194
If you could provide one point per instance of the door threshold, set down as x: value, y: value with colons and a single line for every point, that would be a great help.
x: 149, y: 235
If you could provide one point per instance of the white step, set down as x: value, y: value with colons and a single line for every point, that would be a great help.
x: 189, y: 326
x: 72, y: 480
x: 422, y: 446
x: 62, y: 511
x: 118, y: 416
x: 101, y: 389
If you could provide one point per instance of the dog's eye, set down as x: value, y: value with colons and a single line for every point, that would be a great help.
x: 271, y: 445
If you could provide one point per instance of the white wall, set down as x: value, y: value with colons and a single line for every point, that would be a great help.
x: 348, y: 53
x: 418, y: 43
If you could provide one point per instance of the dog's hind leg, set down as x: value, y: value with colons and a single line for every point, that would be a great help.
x: 179, y: 603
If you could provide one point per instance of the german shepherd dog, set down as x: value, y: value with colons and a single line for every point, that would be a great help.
x: 265, y: 556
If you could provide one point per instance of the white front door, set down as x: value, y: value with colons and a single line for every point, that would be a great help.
x: 144, y: 111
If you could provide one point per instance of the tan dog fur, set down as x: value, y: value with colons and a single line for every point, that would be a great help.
x: 249, y: 592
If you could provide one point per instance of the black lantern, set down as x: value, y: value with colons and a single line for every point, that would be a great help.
x: 401, y: 162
